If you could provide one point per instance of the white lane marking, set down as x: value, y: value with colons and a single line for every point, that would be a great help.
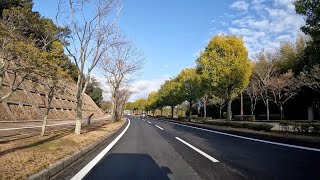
x: 199, y: 151
x: 84, y: 171
x: 159, y: 127
x: 31, y: 127
x: 251, y: 139
x: 149, y: 122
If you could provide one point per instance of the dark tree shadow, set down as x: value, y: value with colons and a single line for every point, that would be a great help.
x: 128, y: 166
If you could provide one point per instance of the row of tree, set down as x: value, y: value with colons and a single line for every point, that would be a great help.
x: 223, y: 72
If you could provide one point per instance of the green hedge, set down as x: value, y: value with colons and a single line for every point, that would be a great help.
x: 304, y: 127
x: 244, y: 118
x: 254, y: 126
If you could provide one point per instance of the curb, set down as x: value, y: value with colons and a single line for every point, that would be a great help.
x: 278, y: 139
x: 57, y: 167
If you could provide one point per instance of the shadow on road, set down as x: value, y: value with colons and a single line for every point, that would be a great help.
x: 128, y: 166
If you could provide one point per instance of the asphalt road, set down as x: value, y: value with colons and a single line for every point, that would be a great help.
x: 152, y: 149
x: 12, y: 129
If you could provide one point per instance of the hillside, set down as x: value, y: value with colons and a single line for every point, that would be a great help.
x: 27, y: 103
x: 38, y: 36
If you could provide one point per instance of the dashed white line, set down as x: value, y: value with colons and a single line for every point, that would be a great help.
x: 159, y: 127
x: 84, y: 171
x: 247, y: 138
x: 149, y: 122
x: 199, y: 151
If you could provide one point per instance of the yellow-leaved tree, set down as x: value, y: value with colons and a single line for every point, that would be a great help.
x: 225, y: 67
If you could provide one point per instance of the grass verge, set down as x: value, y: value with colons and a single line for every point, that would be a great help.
x: 24, y: 157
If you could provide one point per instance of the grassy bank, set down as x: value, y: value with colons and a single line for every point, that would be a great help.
x: 24, y: 157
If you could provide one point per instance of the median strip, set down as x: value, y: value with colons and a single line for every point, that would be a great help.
x: 198, y: 150
x: 159, y: 127
x: 248, y: 138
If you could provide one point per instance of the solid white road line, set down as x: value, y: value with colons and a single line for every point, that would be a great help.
x: 199, y: 151
x: 84, y: 171
x: 159, y: 127
x: 149, y: 122
x: 247, y: 138
x: 31, y: 127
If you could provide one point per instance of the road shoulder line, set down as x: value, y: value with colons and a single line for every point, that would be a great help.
x: 248, y: 138
x: 84, y: 171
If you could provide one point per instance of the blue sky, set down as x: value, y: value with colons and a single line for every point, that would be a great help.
x: 172, y: 32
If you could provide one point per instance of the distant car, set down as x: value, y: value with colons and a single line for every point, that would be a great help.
x: 143, y: 115
x: 129, y: 114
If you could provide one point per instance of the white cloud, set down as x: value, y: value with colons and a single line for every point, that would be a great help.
x: 142, y: 88
x: 240, y: 5
x: 266, y: 24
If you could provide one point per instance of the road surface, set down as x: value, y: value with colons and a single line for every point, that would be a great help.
x: 12, y: 128
x: 153, y: 149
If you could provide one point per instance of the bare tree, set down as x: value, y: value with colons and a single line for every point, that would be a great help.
x: 93, y: 31
x: 264, y: 70
x: 253, y: 92
x: 284, y: 87
x: 121, y: 63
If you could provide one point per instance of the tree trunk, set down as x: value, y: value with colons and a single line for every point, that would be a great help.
x: 281, y: 111
x: 45, y: 119
x: 267, y: 106
x: 204, y: 110
x: 77, y: 129
x: 172, y: 109
x: 252, y: 108
x: 190, y: 107
x: 220, y: 113
x: 44, y: 125
x: 241, y: 106
x: 229, y: 114
x: 161, y: 112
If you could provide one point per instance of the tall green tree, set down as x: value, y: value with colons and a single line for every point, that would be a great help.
x: 190, y: 86
x: 169, y: 94
x: 225, y: 65
x: 94, y: 90
x: 310, y: 9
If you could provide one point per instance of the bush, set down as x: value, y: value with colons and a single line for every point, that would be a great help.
x: 244, y: 118
x: 254, y: 126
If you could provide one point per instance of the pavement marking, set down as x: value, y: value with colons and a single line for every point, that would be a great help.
x: 84, y: 171
x: 149, y: 122
x: 251, y: 139
x: 159, y: 127
x: 199, y: 151
x: 31, y: 127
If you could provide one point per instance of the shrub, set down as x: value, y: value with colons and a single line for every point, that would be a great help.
x: 244, y: 117
x: 254, y: 126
